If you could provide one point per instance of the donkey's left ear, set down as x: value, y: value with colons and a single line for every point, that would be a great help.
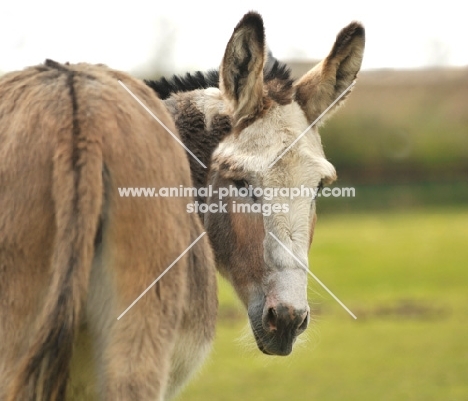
x: 324, y: 83
x: 241, y: 72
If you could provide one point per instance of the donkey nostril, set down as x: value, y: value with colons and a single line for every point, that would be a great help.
x: 272, y: 319
x: 284, y: 319
x: 305, y: 322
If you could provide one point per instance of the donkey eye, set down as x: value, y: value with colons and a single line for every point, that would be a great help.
x: 240, y: 184
x: 244, y: 184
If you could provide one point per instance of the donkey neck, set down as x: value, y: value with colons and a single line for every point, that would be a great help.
x: 202, y: 124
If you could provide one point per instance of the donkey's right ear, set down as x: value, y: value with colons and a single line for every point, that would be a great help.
x: 241, y: 72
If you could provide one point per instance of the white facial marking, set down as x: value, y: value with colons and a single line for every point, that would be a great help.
x: 255, y: 148
x: 261, y: 142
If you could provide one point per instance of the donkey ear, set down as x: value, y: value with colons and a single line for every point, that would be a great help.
x: 241, y: 72
x: 324, y: 83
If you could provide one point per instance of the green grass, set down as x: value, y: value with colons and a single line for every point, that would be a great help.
x: 406, y: 277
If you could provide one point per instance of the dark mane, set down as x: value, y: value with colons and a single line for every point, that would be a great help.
x: 191, y: 81
x: 277, y: 77
x: 275, y: 69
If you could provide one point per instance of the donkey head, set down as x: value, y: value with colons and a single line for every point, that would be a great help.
x: 263, y: 254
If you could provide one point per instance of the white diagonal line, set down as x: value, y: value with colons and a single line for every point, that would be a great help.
x: 162, y: 124
x: 162, y: 274
x: 313, y: 275
x: 311, y: 125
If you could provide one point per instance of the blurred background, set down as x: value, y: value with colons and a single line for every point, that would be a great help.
x: 396, y: 254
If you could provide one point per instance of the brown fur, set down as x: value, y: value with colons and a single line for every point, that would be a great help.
x: 69, y: 137
x: 278, y: 93
x: 317, y: 89
x: 239, y: 258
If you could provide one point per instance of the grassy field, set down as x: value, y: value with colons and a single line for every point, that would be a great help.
x: 405, y: 275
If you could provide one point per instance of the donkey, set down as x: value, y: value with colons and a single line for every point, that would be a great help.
x: 72, y: 252
x: 239, y: 121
